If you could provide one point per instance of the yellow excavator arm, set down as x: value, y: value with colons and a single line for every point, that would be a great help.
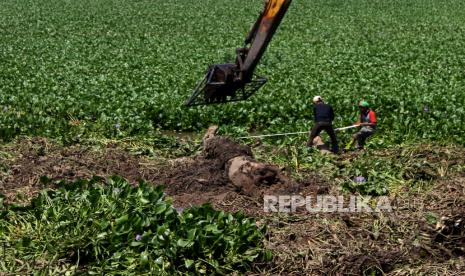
x: 237, y: 81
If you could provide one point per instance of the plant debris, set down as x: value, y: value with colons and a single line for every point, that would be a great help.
x: 422, y: 235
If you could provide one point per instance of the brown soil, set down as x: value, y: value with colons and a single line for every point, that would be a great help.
x: 28, y: 162
x: 221, y: 149
x: 403, y: 242
x: 204, y: 178
x: 190, y: 181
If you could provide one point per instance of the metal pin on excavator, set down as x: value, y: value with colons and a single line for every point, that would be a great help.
x: 236, y: 81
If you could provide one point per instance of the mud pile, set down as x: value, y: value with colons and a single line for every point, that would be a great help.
x: 221, y: 149
x: 224, y: 165
x: 29, y: 162
x: 224, y: 169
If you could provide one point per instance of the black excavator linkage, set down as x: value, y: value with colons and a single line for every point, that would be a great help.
x: 236, y: 81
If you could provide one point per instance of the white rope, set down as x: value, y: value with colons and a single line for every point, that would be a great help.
x: 347, y: 127
x: 271, y: 135
x: 292, y: 133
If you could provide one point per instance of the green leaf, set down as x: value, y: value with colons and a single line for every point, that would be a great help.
x: 102, y: 235
x: 188, y: 263
x: 184, y: 243
x: 160, y: 208
x: 136, y: 243
x: 122, y: 219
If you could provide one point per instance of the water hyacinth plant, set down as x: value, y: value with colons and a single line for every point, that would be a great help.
x: 129, y: 75
x: 110, y: 226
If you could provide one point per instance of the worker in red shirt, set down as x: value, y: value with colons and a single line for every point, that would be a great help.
x: 367, y: 122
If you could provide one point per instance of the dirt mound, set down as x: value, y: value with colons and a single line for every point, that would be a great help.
x: 189, y: 175
x: 221, y: 149
x: 202, y: 173
x: 224, y: 165
x: 192, y: 180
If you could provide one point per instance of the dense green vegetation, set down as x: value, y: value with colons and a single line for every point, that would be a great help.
x: 110, y: 226
x: 72, y: 69
x: 78, y: 70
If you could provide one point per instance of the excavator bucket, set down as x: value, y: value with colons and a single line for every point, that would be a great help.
x: 218, y: 86
x: 237, y: 81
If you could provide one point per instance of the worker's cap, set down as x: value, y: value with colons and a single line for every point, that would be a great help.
x: 317, y: 99
x: 363, y: 104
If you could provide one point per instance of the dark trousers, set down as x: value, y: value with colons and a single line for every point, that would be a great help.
x: 362, y: 135
x: 328, y: 127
